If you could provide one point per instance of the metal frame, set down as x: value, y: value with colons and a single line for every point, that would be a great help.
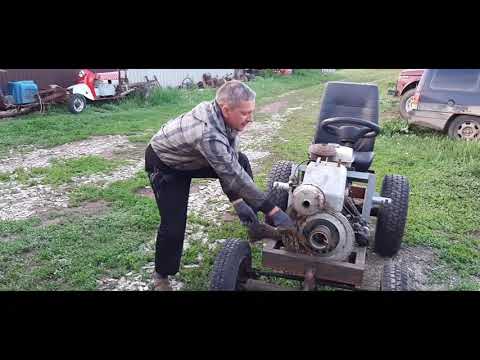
x: 312, y: 270
x: 370, y: 180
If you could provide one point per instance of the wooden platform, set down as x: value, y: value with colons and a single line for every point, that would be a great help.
x: 341, y: 272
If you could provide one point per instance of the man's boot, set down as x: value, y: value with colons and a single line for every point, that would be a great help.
x: 161, y: 283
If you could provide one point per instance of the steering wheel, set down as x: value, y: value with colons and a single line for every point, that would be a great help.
x: 349, y: 130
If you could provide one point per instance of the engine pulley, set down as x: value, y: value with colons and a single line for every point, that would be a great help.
x: 308, y: 199
x: 327, y: 234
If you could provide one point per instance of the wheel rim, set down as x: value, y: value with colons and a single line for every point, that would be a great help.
x: 78, y: 104
x: 409, y: 104
x: 243, y: 271
x: 468, y: 130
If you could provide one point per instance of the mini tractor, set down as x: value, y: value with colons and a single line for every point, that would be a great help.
x: 331, y: 198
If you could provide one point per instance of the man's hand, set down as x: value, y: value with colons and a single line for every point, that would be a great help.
x: 245, y: 213
x: 280, y: 219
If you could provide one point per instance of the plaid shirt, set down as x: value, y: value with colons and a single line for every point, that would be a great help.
x: 201, y: 138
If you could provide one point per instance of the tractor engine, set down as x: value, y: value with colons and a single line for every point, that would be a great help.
x: 316, y: 200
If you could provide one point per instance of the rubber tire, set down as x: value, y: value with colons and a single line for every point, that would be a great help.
x: 457, y: 122
x: 394, y: 278
x: 280, y: 171
x: 228, y: 272
x: 392, y: 217
x: 403, y: 101
x: 71, y: 103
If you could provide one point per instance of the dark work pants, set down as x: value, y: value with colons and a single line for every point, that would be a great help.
x: 172, y: 188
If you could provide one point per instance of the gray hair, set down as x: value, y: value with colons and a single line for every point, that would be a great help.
x: 233, y: 92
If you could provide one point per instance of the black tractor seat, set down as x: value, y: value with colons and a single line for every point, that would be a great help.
x: 346, y: 99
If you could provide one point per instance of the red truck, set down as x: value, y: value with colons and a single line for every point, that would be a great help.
x: 405, y: 88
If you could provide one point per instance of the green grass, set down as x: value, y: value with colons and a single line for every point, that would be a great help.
x: 62, y: 171
x: 444, y: 211
x: 73, y: 255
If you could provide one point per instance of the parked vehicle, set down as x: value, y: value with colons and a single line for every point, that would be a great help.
x: 405, y: 88
x: 331, y: 198
x: 103, y: 86
x: 448, y: 100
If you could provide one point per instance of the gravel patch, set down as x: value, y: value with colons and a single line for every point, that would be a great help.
x: 21, y: 201
x: 98, y: 145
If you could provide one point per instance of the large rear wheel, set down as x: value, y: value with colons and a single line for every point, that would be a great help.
x: 280, y: 172
x: 392, y: 217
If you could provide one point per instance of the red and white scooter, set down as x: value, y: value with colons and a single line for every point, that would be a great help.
x: 96, y: 87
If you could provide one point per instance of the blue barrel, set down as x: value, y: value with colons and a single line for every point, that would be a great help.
x: 23, y: 92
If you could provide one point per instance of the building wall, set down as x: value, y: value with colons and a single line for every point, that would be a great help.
x: 173, y: 77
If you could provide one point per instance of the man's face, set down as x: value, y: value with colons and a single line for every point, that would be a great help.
x: 239, y: 116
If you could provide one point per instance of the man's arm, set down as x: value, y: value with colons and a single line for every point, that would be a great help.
x: 233, y: 178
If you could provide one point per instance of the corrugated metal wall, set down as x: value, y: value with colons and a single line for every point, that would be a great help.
x: 173, y: 77
x: 43, y: 77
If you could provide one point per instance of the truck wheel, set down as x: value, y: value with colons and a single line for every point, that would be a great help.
x: 406, y: 104
x: 465, y: 127
x: 392, y: 217
x: 232, y: 266
x: 280, y: 171
x: 394, y: 278
x: 76, y: 103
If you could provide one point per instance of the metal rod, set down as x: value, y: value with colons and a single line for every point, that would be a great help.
x: 280, y: 275
x: 300, y: 278
x: 258, y: 285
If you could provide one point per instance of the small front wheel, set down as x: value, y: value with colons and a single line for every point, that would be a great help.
x: 232, y: 266
x: 392, y: 217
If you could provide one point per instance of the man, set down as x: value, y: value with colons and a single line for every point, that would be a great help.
x: 203, y: 143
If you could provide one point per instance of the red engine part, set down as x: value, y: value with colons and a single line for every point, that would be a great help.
x: 87, y: 77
